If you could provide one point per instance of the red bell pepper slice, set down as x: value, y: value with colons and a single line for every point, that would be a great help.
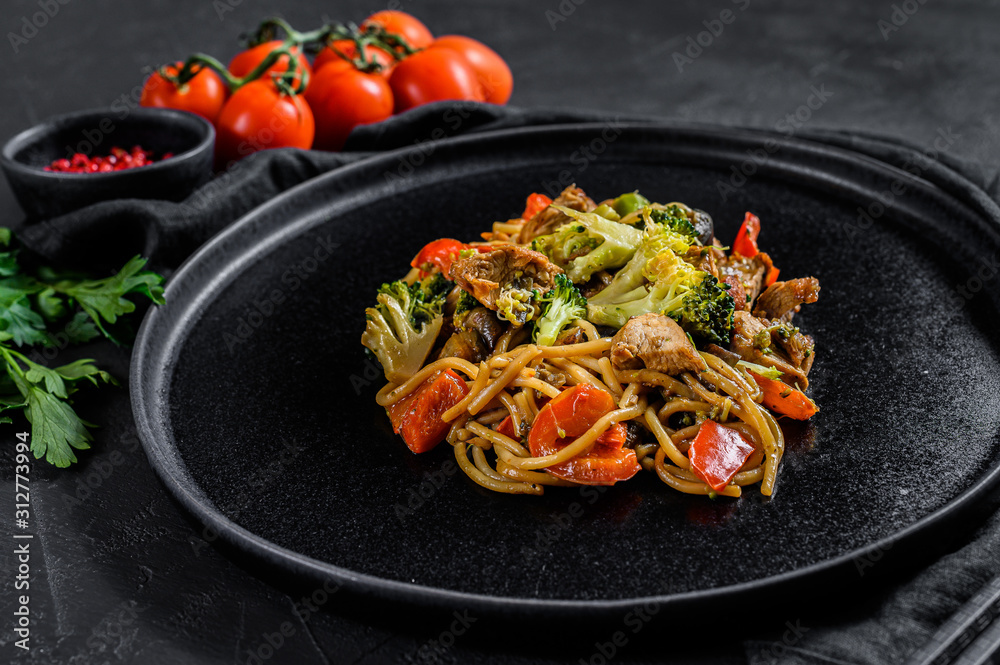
x: 417, y: 417
x: 535, y: 204
x: 785, y: 400
x: 441, y: 253
x: 746, y: 239
x: 717, y: 453
x: 569, y: 415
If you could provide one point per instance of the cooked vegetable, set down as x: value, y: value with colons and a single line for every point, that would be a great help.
x: 568, y: 416
x: 676, y: 220
x: 717, y: 453
x: 562, y: 305
x: 417, y: 417
x: 785, y: 400
x: 588, y: 244
x: 746, y: 238
x: 402, y: 327
x: 516, y: 305
x: 439, y: 253
x: 629, y: 203
x: 535, y: 204
x: 690, y: 296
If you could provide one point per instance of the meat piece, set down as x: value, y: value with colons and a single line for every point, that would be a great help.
x: 549, y: 219
x: 748, y: 331
x: 507, y: 267
x: 737, y: 291
x: 656, y: 342
x: 782, y: 299
x: 750, y: 272
x: 798, y: 346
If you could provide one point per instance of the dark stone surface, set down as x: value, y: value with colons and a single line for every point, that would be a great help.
x: 122, y: 575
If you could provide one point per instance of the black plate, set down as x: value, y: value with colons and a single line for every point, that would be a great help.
x: 256, y: 404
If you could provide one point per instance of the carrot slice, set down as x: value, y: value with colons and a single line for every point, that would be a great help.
x: 785, y: 400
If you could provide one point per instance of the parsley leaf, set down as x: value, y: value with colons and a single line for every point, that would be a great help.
x: 104, y: 299
x: 17, y: 318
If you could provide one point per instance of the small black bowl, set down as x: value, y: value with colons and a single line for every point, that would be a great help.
x: 44, y: 194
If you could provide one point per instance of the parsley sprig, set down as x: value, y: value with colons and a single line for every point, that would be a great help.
x: 31, y: 307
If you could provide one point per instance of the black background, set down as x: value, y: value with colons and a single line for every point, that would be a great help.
x: 122, y: 575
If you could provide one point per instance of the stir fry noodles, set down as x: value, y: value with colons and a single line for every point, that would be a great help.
x: 583, y: 342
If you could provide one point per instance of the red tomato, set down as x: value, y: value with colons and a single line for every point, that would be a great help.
x: 433, y: 75
x: 535, y: 204
x: 717, y: 453
x: 569, y: 415
x: 343, y: 99
x: 415, y: 33
x: 417, y: 417
x: 746, y: 238
x: 441, y: 253
x: 204, y: 94
x: 258, y: 116
x: 328, y: 56
x: 246, y: 61
x: 491, y: 70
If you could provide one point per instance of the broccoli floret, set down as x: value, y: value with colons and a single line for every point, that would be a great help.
x: 707, y: 311
x: 588, y: 244
x: 436, y: 287
x: 561, y: 305
x: 403, y: 326
x: 466, y: 302
x: 675, y: 219
x: 690, y: 296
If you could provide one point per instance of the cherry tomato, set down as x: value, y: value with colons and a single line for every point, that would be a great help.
x: 569, y: 415
x: 342, y: 99
x: 258, y: 116
x: 491, y: 70
x: 415, y: 33
x: 441, y: 253
x: 433, y: 75
x: 328, y: 56
x: 246, y: 61
x: 204, y: 94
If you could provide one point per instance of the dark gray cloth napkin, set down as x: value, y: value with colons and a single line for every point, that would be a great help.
x: 889, y: 629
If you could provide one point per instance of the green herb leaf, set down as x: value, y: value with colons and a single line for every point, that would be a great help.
x: 84, y: 369
x: 8, y: 264
x: 104, y: 299
x: 17, y: 319
x: 55, y: 427
x: 81, y: 329
x: 50, y: 305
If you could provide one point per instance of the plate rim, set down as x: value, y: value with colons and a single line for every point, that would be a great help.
x: 174, y: 475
